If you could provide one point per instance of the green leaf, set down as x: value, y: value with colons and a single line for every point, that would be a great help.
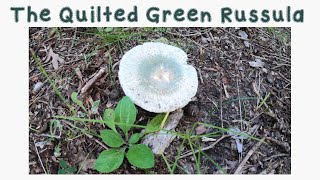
x: 140, y: 156
x: 100, y: 29
x: 74, y: 98
x: 95, y: 107
x: 55, y: 128
x: 154, y: 124
x: 109, y: 160
x: 63, y: 164
x: 125, y: 114
x: 109, y: 117
x: 111, y: 138
x: 65, y: 169
x: 57, y: 150
x: 82, y: 115
x: 105, y: 30
x: 108, y: 29
x: 62, y: 171
x: 134, y: 138
x: 71, y: 170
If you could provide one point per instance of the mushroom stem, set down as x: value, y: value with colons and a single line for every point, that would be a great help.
x: 164, y: 120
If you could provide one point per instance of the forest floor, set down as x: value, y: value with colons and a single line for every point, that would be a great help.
x: 244, y: 84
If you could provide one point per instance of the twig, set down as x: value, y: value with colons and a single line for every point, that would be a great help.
x: 241, y: 121
x: 205, y: 148
x: 259, y: 88
x: 279, y: 65
x: 239, y: 105
x: 275, y: 156
x: 209, y: 69
x: 100, y: 143
x: 245, y: 39
x: 246, y: 158
x: 284, y: 77
x: 284, y: 145
x: 79, y: 74
x: 83, y: 162
x: 92, y: 80
x: 200, y: 75
x: 39, y: 157
x: 278, y: 56
x: 238, y: 90
x: 74, y: 37
x: 214, y: 103
x: 221, y: 104
x: 225, y: 91
x: 199, y: 44
x: 287, y: 85
x: 114, y: 65
x: 189, y: 35
x: 252, y: 131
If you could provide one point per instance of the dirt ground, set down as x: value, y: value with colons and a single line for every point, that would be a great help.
x: 244, y: 83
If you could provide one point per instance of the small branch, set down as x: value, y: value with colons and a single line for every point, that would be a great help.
x: 225, y: 91
x: 200, y: 75
x: 245, y: 159
x: 221, y: 112
x: 39, y: 157
x: 74, y: 37
x: 88, y: 85
x: 79, y: 74
x: 100, y: 143
x: 245, y: 39
x: 214, y: 103
x: 241, y: 120
x: 209, y: 69
x: 284, y: 145
x: 275, y: 156
x: 205, y: 148
x: 189, y: 35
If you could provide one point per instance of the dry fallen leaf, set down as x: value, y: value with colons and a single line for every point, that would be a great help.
x: 256, y: 63
x: 34, y: 78
x: 56, y: 59
x: 255, y: 88
x: 206, y: 139
x: 37, y: 87
x: 237, y: 137
x: 246, y: 44
x: 243, y: 34
x: 201, y: 129
x: 160, y: 140
x: 88, y: 164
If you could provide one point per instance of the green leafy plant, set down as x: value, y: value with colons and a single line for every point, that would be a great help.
x: 115, y: 156
x: 74, y: 98
x: 95, y: 107
x: 138, y: 155
x: 65, y: 169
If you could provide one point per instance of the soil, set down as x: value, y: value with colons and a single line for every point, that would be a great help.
x: 235, y: 91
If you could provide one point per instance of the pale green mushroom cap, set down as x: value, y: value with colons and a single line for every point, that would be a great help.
x: 157, y: 78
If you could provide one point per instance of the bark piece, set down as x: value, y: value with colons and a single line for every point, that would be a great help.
x: 159, y: 141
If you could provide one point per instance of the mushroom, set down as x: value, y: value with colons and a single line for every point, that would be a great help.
x: 157, y: 78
